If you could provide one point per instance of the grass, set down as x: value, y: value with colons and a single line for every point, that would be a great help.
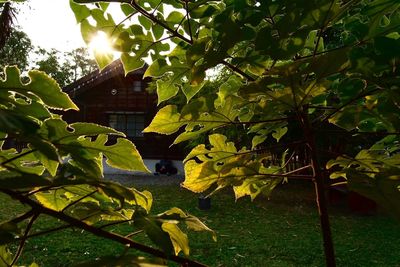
x: 283, y: 231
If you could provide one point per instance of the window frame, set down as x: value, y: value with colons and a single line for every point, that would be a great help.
x: 131, y: 132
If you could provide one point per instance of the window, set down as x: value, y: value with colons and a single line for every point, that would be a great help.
x: 130, y: 124
x: 137, y: 86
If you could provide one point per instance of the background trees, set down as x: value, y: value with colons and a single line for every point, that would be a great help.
x: 16, y: 50
x: 65, y: 67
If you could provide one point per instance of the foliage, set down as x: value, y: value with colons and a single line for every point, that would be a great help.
x: 59, y: 173
x: 339, y: 66
x: 16, y: 50
x: 301, y: 69
x: 80, y: 62
x: 65, y: 67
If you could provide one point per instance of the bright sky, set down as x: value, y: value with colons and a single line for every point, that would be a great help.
x: 50, y: 24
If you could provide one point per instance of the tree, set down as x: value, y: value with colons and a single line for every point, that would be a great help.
x: 6, y: 21
x: 16, y: 50
x: 80, y: 62
x: 51, y: 63
x: 298, y: 68
x: 59, y: 174
x: 301, y: 68
x: 65, y: 67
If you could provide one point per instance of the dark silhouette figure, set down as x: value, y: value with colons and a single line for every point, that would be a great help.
x: 165, y: 167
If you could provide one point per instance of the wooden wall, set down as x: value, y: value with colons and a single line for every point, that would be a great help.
x: 97, y: 101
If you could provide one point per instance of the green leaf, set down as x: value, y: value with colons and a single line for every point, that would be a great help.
x: 81, y: 11
x: 130, y: 64
x: 23, y: 161
x: 166, y: 90
x: 166, y: 121
x: 54, y: 199
x: 103, y: 59
x: 128, y: 195
x: 192, y: 222
x: 50, y: 165
x: 153, y: 229
x: 40, y: 86
x: 179, y: 239
x: 127, y: 9
x: 122, y: 155
x: 279, y: 133
x: 5, y: 256
x: 9, y: 231
x: 88, y: 31
x: 191, y: 90
x: 169, y: 86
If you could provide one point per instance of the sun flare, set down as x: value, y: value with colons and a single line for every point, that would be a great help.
x: 100, y: 43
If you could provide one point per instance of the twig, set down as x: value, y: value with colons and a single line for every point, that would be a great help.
x: 348, y: 103
x: 157, y: 21
x: 24, y: 238
x: 188, y: 19
x: 22, y: 217
x: 17, y: 157
x: 78, y: 200
x: 237, y: 70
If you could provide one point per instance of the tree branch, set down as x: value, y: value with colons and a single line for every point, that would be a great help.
x: 99, y: 232
x: 24, y: 238
x: 17, y: 157
x: 154, y: 19
x: 237, y: 70
x: 78, y: 200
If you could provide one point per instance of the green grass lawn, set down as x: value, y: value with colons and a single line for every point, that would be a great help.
x: 283, y: 231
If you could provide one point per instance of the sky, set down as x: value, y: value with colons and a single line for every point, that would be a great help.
x: 50, y: 24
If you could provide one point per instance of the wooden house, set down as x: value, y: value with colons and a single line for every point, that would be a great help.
x: 112, y: 99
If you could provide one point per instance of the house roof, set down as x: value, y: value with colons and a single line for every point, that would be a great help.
x: 96, y: 77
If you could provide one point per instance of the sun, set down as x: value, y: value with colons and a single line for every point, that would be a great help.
x: 100, y: 43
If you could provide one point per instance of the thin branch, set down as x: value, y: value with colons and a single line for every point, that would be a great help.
x: 17, y: 157
x: 289, y: 174
x: 48, y: 231
x: 134, y: 233
x: 348, y: 103
x: 22, y: 217
x: 321, y: 30
x: 115, y: 223
x: 157, y: 6
x: 119, y: 24
x: 78, y: 200
x: 159, y: 22
x: 237, y: 70
x: 24, y: 238
x: 99, y: 232
x: 321, y: 107
x: 188, y: 19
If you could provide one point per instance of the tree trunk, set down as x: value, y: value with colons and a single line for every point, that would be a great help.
x: 319, y: 183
